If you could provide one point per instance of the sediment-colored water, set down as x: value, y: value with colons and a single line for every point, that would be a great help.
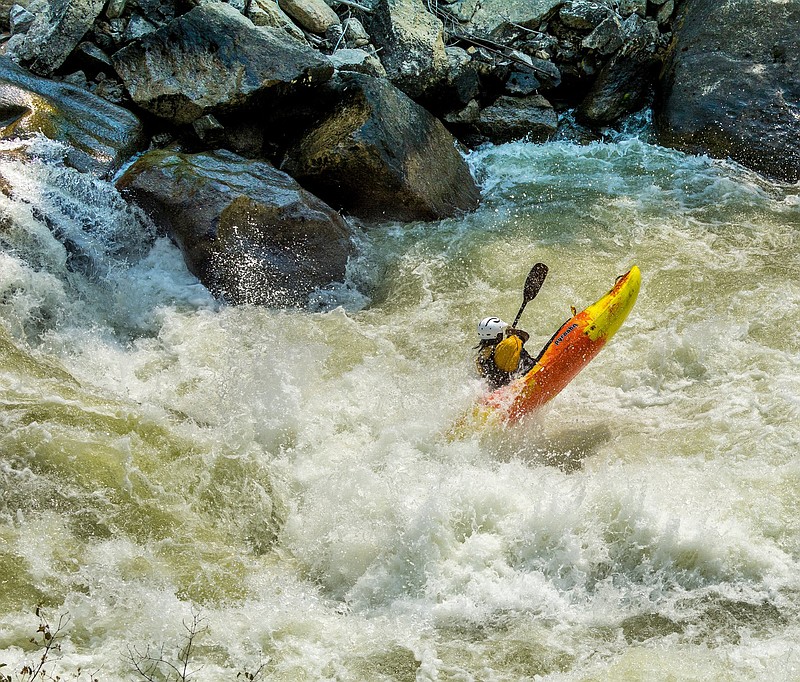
x: 284, y: 476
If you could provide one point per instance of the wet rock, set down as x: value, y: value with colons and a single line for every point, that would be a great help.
x: 625, y: 83
x: 583, y: 15
x: 730, y: 85
x: 100, y: 136
x: 213, y: 58
x: 380, y: 156
x: 606, y: 38
x: 515, y: 118
x: 313, y: 15
x: 411, y: 41
x: 58, y: 26
x: 248, y: 231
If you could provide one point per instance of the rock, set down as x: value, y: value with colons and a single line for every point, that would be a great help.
x: 313, y: 15
x: 58, y: 26
x: 731, y: 85
x: 111, y: 90
x: 115, y: 8
x: 624, y: 84
x: 380, y: 156
x: 522, y: 83
x: 90, y: 59
x: 462, y: 83
x: 157, y: 12
x: 547, y: 73
x: 355, y: 34
x: 628, y: 7
x: 77, y: 78
x: 411, y: 41
x: 583, y: 15
x: 606, y: 38
x: 358, y: 61
x: 664, y: 14
x: 20, y: 19
x: 210, y: 59
x: 137, y: 27
x: 515, y: 118
x: 492, y: 16
x: 248, y: 231
x: 100, y: 136
x: 267, y: 13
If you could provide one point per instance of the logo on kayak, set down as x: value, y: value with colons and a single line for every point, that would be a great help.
x: 564, y: 334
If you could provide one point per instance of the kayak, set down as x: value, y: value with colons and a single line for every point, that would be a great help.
x: 567, y: 352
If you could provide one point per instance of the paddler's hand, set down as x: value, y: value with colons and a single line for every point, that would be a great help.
x: 518, y: 332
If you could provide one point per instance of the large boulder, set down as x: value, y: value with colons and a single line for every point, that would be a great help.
x: 411, y: 43
x: 214, y: 59
x: 100, y: 136
x: 731, y: 84
x: 625, y: 82
x: 380, y: 156
x: 248, y: 231
x: 57, y: 28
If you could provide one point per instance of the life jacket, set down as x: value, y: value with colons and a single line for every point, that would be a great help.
x: 486, y: 363
x: 507, y: 354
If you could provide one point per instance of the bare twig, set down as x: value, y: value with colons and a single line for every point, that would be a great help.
x: 354, y: 5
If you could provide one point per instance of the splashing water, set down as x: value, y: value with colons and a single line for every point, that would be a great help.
x: 286, y: 475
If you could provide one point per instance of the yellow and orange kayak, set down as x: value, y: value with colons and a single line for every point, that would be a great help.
x: 569, y: 350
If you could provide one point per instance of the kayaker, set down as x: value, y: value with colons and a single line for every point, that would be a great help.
x: 501, y: 356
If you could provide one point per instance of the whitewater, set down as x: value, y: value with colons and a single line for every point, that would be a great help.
x: 279, y: 484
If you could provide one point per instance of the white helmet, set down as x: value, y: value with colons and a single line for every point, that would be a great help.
x: 491, y: 327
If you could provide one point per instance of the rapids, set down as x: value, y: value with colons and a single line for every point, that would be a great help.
x: 284, y: 477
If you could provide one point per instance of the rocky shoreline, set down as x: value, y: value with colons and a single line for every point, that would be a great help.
x: 263, y: 131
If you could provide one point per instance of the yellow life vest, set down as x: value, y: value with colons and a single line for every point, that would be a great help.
x: 507, y: 352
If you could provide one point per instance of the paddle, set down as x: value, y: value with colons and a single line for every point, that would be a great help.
x: 532, y: 285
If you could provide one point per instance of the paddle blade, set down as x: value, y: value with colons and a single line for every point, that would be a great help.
x: 534, y: 282
x: 532, y: 285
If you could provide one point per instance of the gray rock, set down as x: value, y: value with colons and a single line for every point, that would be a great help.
x: 313, y: 15
x: 268, y: 13
x: 100, y: 136
x: 664, y: 14
x: 492, y: 16
x: 606, y: 38
x: 624, y: 84
x: 355, y: 34
x: 628, y: 7
x: 58, y: 26
x: 380, y: 156
x: 210, y: 59
x: 358, y: 61
x: 515, y: 118
x: 522, y: 83
x: 730, y: 85
x: 137, y: 27
x: 248, y: 231
x: 584, y: 15
x: 20, y: 19
x: 411, y: 41
x: 115, y: 8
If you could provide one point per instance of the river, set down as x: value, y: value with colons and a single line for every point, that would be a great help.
x: 278, y: 486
